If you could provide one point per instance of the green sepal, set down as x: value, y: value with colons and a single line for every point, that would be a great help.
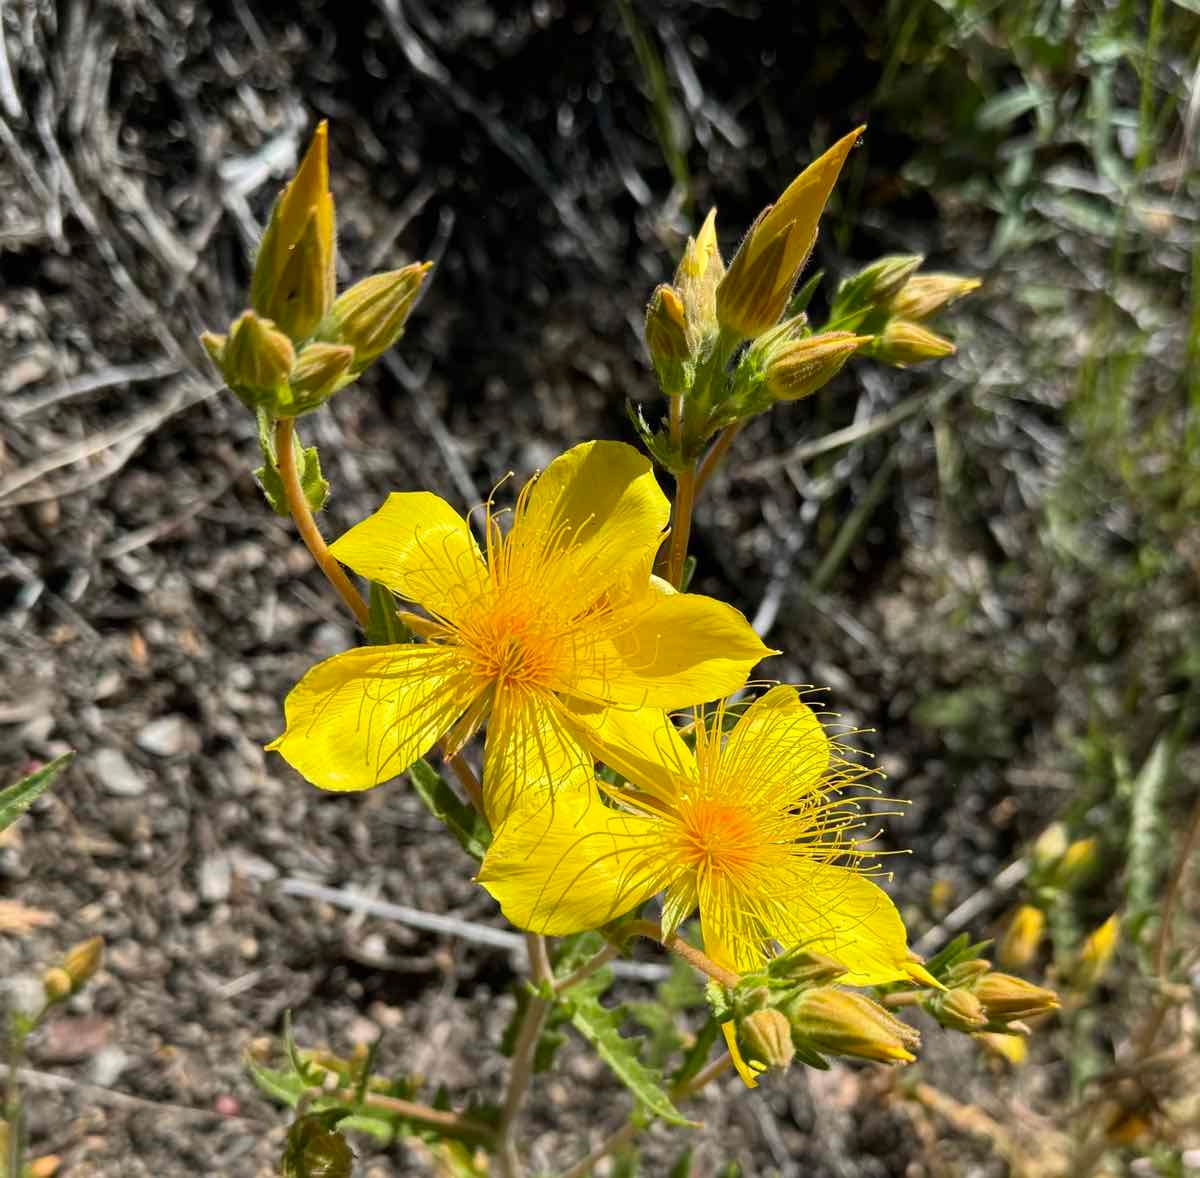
x: 308, y: 463
x: 658, y: 443
x: 720, y: 1001
x: 601, y: 1027
x: 384, y: 627
x: 958, y: 952
x: 802, y: 297
x: 461, y: 819
x: 15, y: 799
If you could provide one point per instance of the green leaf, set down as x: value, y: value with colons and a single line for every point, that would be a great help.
x: 308, y: 465
x: 18, y: 797
x: 601, y: 1028
x: 384, y: 627
x: 683, y: 1165
x: 1146, y: 843
x: 802, y: 297
x: 468, y: 826
x: 314, y: 483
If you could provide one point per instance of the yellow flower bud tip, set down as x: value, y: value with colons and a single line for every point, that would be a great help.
x: 1007, y: 998
x: 214, y: 345
x: 924, y: 295
x: 666, y: 327
x: 765, y: 1037
x: 1013, y: 1048
x: 56, y: 984
x: 295, y: 273
x: 1022, y: 938
x: 797, y: 369
x: 1096, y: 954
x: 701, y: 251
x: 83, y: 960
x: 840, y: 1022
x: 371, y: 315
x: 904, y: 343
x: 755, y: 291
x: 258, y: 357
x: 700, y: 269
x: 919, y: 974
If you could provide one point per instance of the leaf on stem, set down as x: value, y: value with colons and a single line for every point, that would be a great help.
x: 18, y: 797
x: 465, y: 823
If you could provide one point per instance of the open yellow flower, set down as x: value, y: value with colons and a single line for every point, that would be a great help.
x: 753, y: 830
x: 562, y: 617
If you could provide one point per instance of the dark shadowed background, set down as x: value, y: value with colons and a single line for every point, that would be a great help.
x: 1000, y: 578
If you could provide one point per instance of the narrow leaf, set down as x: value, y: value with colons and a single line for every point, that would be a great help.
x: 444, y: 804
x: 18, y: 797
x: 384, y: 627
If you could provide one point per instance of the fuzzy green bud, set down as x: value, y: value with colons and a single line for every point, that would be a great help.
x: 799, y: 368
x: 256, y: 360
x: 371, y: 315
x: 902, y: 343
x: 1007, y: 998
x: 841, y: 1022
x: 958, y: 1009
x: 765, y: 1037
x: 667, y: 339
x: 925, y: 295
x: 320, y: 370
x: 872, y: 287
x: 804, y: 967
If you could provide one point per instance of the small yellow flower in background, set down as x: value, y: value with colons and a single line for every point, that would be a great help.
x: 1096, y: 954
x: 754, y: 292
x: 753, y: 831
x: 562, y: 618
x: 1021, y: 939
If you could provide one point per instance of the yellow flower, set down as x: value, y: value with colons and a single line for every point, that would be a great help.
x: 753, y: 831
x: 562, y: 617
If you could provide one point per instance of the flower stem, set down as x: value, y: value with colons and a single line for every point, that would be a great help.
x: 452, y: 1124
x: 285, y: 456
x: 681, y: 527
x: 588, y: 968
x: 694, y: 957
x: 523, y: 1054
x: 718, y: 451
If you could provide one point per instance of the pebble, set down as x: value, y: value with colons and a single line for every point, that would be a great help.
x: 216, y: 878
x: 168, y: 736
x: 117, y: 775
x: 107, y: 1065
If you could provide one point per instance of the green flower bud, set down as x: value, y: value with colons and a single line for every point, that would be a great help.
x: 841, y: 1022
x: 957, y: 1009
x: 257, y: 360
x: 926, y: 294
x: 798, y: 369
x: 902, y: 343
x: 320, y: 370
x: 1006, y: 998
x: 370, y: 316
x: 765, y: 1037
x: 872, y: 287
x: 667, y: 339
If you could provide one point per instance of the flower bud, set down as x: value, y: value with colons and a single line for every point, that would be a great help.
x: 902, y: 343
x: 370, y: 316
x: 320, y: 370
x: 700, y: 269
x: 1013, y: 1048
x: 1050, y: 846
x: 295, y: 272
x: 765, y: 1037
x: 925, y: 294
x: 214, y: 345
x: 1077, y: 864
x: 798, y: 369
x: 957, y: 1009
x: 667, y: 339
x: 803, y: 967
x: 83, y: 960
x: 754, y: 292
x: 840, y: 1022
x: 1096, y: 954
x: 257, y: 360
x: 56, y: 984
x: 873, y: 286
x: 1021, y: 940
x: 1006, y: 998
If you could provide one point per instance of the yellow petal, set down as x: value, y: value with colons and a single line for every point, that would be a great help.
x: 529, y: 753
x: 597, y: 506
x: 571, y: 863
x: 364, y: 716
x: 747, y: 1073
x: 643, y: 745
x: 777, y: 748
x: 839, y: 912
x: 420, y: 547
x: 675, y: 650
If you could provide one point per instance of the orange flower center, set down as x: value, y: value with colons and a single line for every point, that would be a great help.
x: 509, y: 647
x: 720, y: 836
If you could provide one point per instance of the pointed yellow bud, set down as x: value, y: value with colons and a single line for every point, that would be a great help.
x: 1013, y: 1048
x: 1096, y: 954
x: 370, y: 316
x: 214, y: 345
x: 56, y: 984
x: 1007, y: 999
x: 754, y: 293
x: 257, y: 359
x: 799, y: 368
x: 75, y: 970
x: 958, y: 1009
x: 320, y: 370
x: 295, y: 272
x: 1077, y: 864
x: 840, y: 1022
x: 1022, y: 938
x: 700, y: 269
x: 902, y: 343
x: 926, y: 294
x: 667, y: 339
x: 765, y: 1038
x: 860, y: 296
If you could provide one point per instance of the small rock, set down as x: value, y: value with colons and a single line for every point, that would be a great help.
x: 168, y: 736
x: 107, y: 1065
x: 117, y: 775
x: 216, y: 878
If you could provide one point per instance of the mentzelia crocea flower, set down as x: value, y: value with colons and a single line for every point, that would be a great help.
x: 563, y: 618
x: 752, y: 830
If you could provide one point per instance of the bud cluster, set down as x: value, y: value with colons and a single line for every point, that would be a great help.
x: 299, y: 343
x: 76, y: 969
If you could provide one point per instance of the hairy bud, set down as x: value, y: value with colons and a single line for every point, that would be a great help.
x: 840, y: 1022
x: 371, y: 315
x: 1007, y: 998
x: 765, y: 1037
